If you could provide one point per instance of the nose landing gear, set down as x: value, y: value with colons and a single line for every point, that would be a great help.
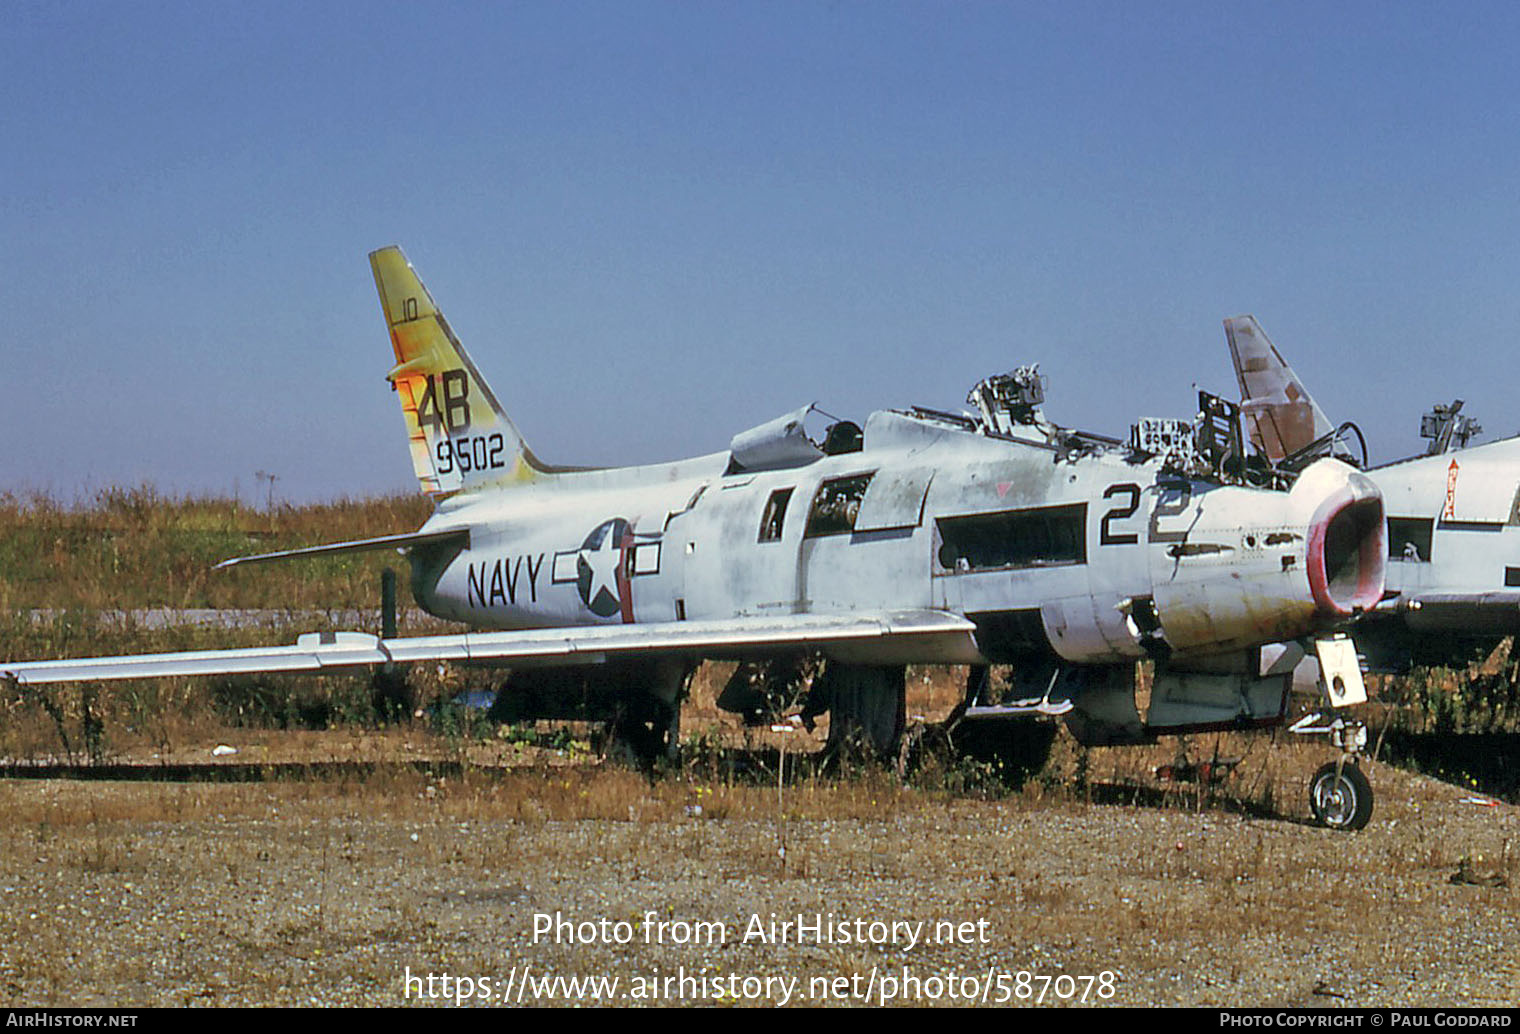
x: 1340, y: 796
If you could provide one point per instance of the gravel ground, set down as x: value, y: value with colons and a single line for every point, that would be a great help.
x: 336, y: 892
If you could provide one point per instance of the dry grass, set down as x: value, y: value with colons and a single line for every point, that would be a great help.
x: 326, y: 890
x: 131, y: 548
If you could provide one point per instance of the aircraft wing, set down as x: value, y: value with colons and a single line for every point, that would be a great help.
x: 1481, y: 612
x: 335, y: 652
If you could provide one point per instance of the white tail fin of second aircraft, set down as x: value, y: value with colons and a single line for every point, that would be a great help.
x: 461, y: 439
x: 1279, y: 412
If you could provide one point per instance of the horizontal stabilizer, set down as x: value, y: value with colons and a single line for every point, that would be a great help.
x: 407, y: 541
x: 727, y: 638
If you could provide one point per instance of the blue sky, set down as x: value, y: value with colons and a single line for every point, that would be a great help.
x: 657, y: 224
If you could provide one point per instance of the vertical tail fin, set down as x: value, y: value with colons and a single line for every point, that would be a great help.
x: 1279, y: 412
x: 461, y: 439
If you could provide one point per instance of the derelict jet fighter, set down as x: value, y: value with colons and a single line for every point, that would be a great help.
x: 924, y: 537
x: 1453, y: 515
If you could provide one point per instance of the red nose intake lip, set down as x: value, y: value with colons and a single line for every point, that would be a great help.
x: 1347, y: 552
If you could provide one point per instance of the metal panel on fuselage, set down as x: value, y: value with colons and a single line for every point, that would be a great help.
x: 731, y: 572
x: 567, y: 558
x: 863, y: 570
x: 1078, y: 598
x: 1225, y: 561
x: 728, y: 571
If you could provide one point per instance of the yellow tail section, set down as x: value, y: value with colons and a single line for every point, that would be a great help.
x: 460, y: 438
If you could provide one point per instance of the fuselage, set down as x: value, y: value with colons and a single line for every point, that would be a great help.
x: 1454, y: 521
x: 1453, y: 584
x: 1093, y: 556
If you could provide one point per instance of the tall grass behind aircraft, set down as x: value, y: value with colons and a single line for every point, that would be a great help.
x: 923, y: 537
x: 1453, y: 573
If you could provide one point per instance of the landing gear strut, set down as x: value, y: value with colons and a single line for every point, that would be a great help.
x: 1339, y: 795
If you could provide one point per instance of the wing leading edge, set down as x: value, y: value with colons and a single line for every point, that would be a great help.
x: 919, y: 635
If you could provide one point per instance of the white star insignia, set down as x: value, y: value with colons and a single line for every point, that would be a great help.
x: 603, y: 564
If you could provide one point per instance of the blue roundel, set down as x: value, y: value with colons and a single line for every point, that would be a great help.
x: 597, y: 568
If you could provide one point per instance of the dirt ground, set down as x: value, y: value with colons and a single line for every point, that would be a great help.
x: 534, y: 875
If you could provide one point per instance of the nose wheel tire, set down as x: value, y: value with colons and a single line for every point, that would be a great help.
x: 1340, y: 796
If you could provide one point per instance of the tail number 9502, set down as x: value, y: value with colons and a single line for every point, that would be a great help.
x: 472, y: 453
